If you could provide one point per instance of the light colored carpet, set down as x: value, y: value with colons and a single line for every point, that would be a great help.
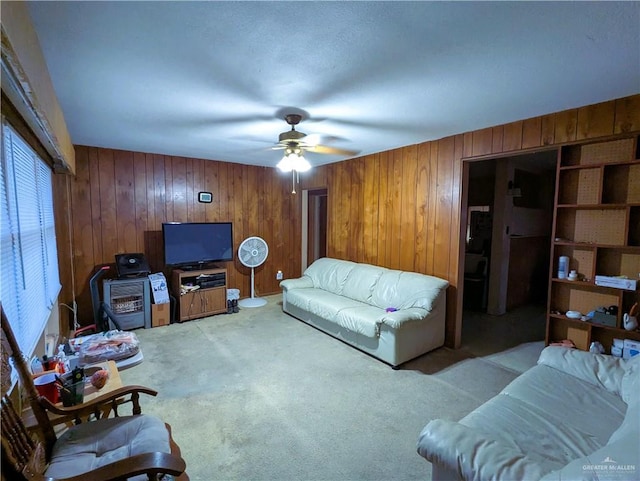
x: 259, y: 395
x: 519, y: 358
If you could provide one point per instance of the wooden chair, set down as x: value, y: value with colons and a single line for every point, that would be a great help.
x: 120, y: 448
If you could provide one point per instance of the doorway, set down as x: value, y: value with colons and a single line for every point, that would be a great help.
x: 314, y: 226
x: 508, y: 208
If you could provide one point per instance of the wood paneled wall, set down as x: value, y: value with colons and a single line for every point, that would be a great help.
x: 402, y: 208
x: 399, y: 209
x: 118, y: 201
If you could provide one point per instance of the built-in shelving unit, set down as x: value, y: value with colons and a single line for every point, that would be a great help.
x: 596, y: 225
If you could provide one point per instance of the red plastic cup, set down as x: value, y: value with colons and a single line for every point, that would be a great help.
x: 46, y: 386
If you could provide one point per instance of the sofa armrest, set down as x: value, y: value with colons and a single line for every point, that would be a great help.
x: 597, y: 369
x: 466, y: 452
x: 299, y: 283
x: 397, y: 318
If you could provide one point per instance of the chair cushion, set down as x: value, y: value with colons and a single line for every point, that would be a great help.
x: 91, y: 445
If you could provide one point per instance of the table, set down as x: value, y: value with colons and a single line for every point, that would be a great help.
x: 114, y: 382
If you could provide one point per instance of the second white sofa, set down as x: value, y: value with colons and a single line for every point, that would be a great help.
x: 574, y: 416
x: 392, y: 315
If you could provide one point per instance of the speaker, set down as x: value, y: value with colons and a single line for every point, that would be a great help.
x: 132, y: 265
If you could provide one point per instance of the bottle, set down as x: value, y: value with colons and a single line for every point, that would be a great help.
x: 36, y: 365
x: 63, y: 364
x: 563, y: 267
x: 46, y: 363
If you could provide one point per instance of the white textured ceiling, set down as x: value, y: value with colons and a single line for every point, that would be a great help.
x: 212, y: 79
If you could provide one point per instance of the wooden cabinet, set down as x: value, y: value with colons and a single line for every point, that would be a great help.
x: 200, y: 293
x: 597, y: 225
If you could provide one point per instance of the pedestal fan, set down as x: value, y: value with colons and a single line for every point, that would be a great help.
x: 253, y: 251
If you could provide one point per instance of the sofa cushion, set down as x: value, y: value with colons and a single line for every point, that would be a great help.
x: 565, y: 399
x: 542, y: 414
x: 630, y: 385
x: 629, y: 431
x: 617, y: 460
x: 402, y: 290
x: 319, y: 302
x: 363, y: 319
x: 598, y: 369
x: 329, y: 274
x: 348, y: 313
x: 361, y: 282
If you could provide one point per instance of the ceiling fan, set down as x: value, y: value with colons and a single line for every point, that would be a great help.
x: 295, y: 143
x: 311, y: 143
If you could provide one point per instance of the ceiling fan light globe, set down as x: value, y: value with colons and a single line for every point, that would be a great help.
x: 302, y: 164
x: 293, y: 160
x: 285, y: 164
x: 298, y: 162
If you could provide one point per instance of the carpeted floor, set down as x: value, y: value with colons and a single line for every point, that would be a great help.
x: 259, y: 395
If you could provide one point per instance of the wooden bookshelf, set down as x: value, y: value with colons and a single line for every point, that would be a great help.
x: 597, y: 225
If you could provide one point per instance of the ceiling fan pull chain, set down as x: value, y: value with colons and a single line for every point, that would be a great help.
x: 293, y: 181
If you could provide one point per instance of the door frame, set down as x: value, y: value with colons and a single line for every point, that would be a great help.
x: 464, y: 207
x: 314, y: 226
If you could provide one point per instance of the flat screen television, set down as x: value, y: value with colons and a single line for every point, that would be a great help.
x: 194, y: 244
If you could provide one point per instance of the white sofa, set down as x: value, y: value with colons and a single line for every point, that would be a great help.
x: 574, y: 416
x: 350, y: 300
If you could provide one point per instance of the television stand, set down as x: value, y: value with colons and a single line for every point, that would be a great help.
x: 200, y: 292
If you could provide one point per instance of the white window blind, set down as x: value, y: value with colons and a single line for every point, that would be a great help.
x: 30, y: 279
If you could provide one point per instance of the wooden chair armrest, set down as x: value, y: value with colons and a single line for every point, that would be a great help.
x: 148, y: 463
x: 90, y: 406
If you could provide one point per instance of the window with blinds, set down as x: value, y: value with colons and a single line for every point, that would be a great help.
x: 30, y: 282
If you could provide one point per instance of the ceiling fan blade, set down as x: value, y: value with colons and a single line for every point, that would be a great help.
x: 315, y: 139
x: 325, y: 149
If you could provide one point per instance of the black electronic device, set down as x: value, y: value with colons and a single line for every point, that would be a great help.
x: 211, y: 283
x: 207, y: 281
x: 132, y: 265
x: 194, y: 244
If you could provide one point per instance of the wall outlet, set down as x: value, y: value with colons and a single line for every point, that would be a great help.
x: 279, y: 275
